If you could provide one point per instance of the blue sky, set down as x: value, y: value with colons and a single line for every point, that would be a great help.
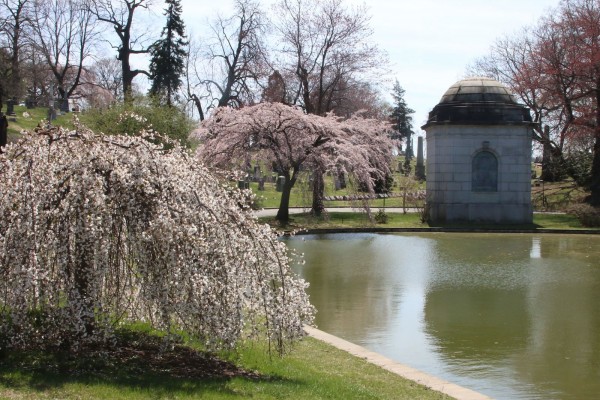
x: 430, y: 43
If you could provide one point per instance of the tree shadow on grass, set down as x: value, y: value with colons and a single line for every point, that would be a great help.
x: 137, y: 362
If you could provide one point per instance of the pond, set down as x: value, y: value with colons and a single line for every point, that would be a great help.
x: 512, y: 316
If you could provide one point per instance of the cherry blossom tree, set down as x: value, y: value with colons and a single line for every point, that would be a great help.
x: 327, y: 56
x: 99, y: 230
x: 294, y: 142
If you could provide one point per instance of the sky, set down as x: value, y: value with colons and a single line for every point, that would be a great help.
x: 430, y: 43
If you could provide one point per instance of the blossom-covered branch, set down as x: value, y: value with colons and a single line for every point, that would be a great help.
x: 99, y: 230
x: 294, y: 141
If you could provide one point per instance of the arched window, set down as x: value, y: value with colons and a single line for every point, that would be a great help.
x: 484, y: 172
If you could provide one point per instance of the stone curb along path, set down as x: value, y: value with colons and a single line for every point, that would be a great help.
x: 432, y: 382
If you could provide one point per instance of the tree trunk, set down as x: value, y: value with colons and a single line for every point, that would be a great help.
x: 283, y: 214
x: 318, y: 207
x: 198, y: 105
x: 552, y: 159
x: 126, y: 73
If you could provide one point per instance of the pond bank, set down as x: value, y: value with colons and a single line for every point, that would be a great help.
x: 432, y: 382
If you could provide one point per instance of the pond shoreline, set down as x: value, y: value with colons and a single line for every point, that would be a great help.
x: 313, y: 231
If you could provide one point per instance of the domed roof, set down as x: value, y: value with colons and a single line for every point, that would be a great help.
x: 478, y: 100
x: 478, y: 89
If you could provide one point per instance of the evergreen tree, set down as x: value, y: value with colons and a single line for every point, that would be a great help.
x: 168, y: 56
x: 402, y: 122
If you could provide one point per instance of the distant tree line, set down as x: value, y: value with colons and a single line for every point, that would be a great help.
x: 316, y: 54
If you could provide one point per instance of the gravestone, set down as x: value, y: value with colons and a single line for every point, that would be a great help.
x: 10, y: 107
x: 261, y: 184
x: 280, y: 183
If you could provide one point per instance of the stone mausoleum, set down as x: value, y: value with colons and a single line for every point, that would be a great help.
x: 479, y: 155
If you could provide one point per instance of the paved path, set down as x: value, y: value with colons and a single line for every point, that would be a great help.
x: 271, y: 212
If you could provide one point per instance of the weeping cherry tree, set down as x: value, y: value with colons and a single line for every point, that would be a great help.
x: 96, y: 231
x: 294, y: 141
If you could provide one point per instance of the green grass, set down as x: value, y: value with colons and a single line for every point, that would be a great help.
x: 301, y: 196
x: 344, y: 220
x: 556, y: 196
x: 557, y: 221
x: 30, y: 122
x: 313, y: 370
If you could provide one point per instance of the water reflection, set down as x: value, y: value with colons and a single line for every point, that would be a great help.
x: 513, y: 316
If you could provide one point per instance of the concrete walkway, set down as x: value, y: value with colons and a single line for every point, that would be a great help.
x: 437, y: 384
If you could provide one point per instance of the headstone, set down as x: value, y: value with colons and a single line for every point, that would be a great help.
x: 261, y: 184
x: 280, y: 183
x: 336, y: 183
x: 420, y: 168
x: 10, y: 107
x: 243, y: 185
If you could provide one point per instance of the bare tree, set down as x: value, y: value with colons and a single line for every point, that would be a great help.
x: 227, y: 72
x: 14, y: 18
x: 107, y: 74
x: 37, y: 78
x: 325, y: 45
x: 120, y: 15
x: 325, y: 48
x: 64, y: 34
x: 194, y: 87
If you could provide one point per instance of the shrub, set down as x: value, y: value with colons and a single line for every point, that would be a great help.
x: 100, y: 230
x: 579, y: 165
x: 142, y: 115
x: 381, y: 217
x: 588, y: 215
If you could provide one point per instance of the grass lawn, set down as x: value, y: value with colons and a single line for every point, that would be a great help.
x: 412, y: 220
x: 24, y: 122
x: 313, y: 370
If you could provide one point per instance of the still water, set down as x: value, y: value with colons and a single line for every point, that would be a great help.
x: 511, y: 316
